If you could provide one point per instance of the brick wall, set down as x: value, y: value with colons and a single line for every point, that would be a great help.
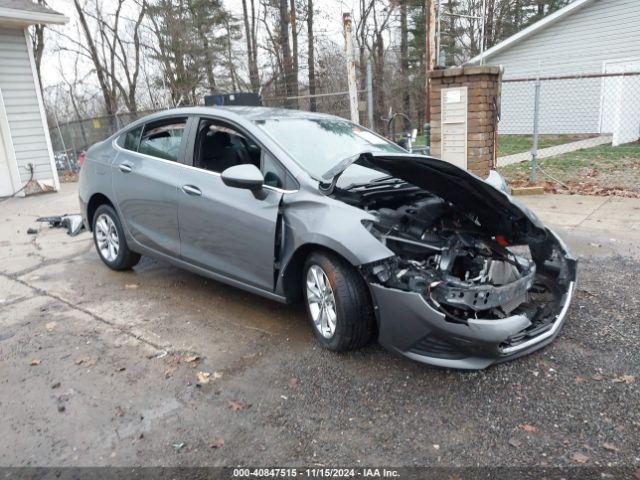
x: 483, y: 87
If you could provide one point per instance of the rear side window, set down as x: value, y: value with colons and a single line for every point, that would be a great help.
x: 162, y: 139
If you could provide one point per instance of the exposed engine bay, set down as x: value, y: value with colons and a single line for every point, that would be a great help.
x: 446, y: 255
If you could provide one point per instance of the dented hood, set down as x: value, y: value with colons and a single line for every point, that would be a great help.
x: 493, y: 209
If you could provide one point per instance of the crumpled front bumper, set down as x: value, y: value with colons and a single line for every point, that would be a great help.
x: 410, y: 325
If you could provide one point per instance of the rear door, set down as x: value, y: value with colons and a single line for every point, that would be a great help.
x: 146, y: 178
x: 228, y: 230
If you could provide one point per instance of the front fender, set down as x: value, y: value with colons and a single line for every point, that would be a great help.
x: 322, y: 221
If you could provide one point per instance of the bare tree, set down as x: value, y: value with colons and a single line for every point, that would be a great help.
x: 404, y: 55
x: 250, y: 32
x: 103, y: 62
x: 289, y: 76
x: 37, y: 42
x: 294, y: 44
x: 311, y: 57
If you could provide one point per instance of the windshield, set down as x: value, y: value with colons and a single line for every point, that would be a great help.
x: 319, y: 144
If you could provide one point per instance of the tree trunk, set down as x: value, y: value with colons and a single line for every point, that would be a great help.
x: 379, y: 78
x: 208, y: 62
x: 232, y: 68
x: 404, y: 57
x: 311, y: 57
x: 249, y: 33
x: 38, y: 49
x: 287, y: 60
x: 294, y: 42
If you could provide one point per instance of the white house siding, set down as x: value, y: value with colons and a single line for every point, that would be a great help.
x: 22, y: 107
x: 601, y: 31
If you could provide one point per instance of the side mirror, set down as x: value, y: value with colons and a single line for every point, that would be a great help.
x: 246, y: 176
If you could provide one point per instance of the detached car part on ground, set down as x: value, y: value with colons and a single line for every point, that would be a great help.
x: 435, y: 263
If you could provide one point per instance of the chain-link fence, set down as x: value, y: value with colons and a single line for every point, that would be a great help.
x: 70, y: 139
x: 334, y: 103
x: 585, y: 121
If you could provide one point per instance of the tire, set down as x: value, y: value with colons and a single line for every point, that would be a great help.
x: 112, y: 246
x: 354, y: 324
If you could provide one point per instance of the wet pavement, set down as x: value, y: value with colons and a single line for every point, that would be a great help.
x: 106, y: 368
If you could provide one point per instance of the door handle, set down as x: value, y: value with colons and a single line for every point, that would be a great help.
x: 191, y: 190
x: 124, y: 168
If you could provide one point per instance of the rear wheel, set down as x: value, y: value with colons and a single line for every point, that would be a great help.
x: 110, y: 242
x: 338, y: 303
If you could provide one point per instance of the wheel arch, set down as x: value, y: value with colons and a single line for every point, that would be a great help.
x: 291, y: 276
x: 95, y: 201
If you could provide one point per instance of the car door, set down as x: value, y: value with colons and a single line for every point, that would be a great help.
x: 146, y: 177
x: 228, y: 230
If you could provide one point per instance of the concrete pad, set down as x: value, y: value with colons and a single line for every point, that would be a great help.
x: 20, y: 251
x: 558, y: 219
x: 574, y: 204
x: 12, y: 291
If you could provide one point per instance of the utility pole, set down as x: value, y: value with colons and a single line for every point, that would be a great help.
x: 370, y: 95
x: 430, y: 61
x: 351, y: 67
x: 482, y: 27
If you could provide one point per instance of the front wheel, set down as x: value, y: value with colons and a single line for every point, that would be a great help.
x: 108, y: 237
x: 338, y: 303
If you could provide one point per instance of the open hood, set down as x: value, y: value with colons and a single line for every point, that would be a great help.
x: 496, y: 211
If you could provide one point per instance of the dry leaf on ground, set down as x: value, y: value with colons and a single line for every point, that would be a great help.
x: 528, y: 428
x: 86, y: 361
x: 294, y: 383
x: 216, y: 442
x: 238, y: 405
x: 35, y: 361
x: 579, y: 457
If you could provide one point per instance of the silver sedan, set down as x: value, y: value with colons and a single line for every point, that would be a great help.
x: 433, y: 262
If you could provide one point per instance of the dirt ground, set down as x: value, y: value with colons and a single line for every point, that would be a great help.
x: 162, y: 367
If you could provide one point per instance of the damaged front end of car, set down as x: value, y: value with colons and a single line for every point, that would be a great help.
x: 475, y: 278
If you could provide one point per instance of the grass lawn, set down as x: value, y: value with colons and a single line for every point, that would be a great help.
x: 511, y: 144
x: 605, y: 166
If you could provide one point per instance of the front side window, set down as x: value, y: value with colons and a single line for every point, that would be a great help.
x: 219, y: 146
x: 163, y: 138
x: 318, y: 144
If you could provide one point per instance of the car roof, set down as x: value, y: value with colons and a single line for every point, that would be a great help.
x: 249, y: 113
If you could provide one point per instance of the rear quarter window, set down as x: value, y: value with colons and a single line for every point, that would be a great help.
x: 131, y: 139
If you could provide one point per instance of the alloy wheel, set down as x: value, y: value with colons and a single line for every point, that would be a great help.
x: 107, y: 237
x: 321, y: 301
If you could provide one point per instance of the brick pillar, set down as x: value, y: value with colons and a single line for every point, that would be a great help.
x: 483, y: 84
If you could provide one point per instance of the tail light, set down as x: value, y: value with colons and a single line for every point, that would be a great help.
x: 81, y: 158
